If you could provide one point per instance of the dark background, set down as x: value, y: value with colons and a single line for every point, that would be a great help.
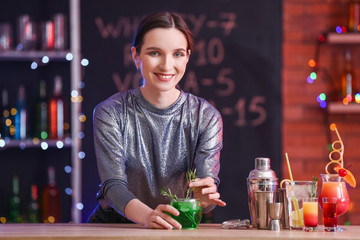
x: 236, y: 66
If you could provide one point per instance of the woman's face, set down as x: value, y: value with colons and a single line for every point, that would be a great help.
x: 163, y: 58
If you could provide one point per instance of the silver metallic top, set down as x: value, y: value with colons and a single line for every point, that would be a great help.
x: 140, y: 148
x: 262, y: 169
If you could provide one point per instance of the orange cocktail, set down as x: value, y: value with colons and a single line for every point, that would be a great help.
x: 334, y: 186
x: 310, y: 209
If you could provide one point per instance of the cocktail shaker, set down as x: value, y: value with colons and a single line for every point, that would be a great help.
x: 262, y: 186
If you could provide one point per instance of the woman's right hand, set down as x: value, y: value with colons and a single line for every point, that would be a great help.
x: 140, y: 213
x: 159, y: 219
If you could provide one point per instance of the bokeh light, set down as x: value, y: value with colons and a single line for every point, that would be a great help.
x: 84, y: 62
x: 80, y: 206
x: 34, y: 65
x: 309, y: 79
x: 59, y: 144
x: 313, y: 75
x: 357, y: 98
x: 312, y: 63
x: 323, y: 104
x: 45, y: 59
x: 69, y: 56
x: 322, y: 96
x: 44, y: 145
x: 338, y: 29
x: 68, y: 169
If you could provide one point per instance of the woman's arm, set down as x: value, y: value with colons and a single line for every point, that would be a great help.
x: 207, y: 158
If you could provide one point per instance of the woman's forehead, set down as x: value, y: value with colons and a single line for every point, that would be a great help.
x: 165, y: 38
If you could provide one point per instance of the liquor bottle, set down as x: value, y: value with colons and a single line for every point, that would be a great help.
x: 21, y: 115
x: 354, y: 16
x: 347, y: 80
x: 57, y: 111
x: 41, y: 111
x: 33, y: 210
x: 5, y: 118
x: 15, y: 209
x: 51, y: 209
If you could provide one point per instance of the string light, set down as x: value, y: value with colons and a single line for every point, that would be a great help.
x: 68, y: 191
x: 45, y: 59
x: 81, y: 155
x: 2, y: 143
x: 322, y: 38
x: 338, y: 29
x: 59, y: 144
x: 68, y: 169
x: 34, y: 65
x: 80, y: 206
x: 44, y: 145
x: 313, y: 75
x: 321, y: 98
x: 69, y: 56
x: 309, y: 79
x: 82, y: 118
x: 36, y: 141
x: 312, y: 63
x: 357, y: 98
x: 84, y: 62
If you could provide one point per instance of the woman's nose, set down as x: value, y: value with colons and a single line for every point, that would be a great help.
x: 166, y: 64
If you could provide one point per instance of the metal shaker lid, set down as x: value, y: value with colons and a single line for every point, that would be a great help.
x: 262, y: 169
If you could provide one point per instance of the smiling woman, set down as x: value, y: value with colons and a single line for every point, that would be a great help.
x: 148, y: 138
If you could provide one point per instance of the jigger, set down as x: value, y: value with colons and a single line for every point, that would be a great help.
x: 275, y: 211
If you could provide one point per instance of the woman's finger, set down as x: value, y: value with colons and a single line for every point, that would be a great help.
x: 167, y: 208
x: 158, y: 222
x: 219, y: 202
x: 164, y: 219
x: 214, y: 195
x: 209, y: 190
x: 200, y: 182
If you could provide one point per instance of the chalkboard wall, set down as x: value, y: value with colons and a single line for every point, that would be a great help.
x: 236, y: 66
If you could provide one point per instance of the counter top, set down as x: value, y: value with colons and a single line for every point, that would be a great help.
x: 134, y: 232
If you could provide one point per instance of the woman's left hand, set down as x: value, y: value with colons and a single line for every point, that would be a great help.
x: 205, y: 189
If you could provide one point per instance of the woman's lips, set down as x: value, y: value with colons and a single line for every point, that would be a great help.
x: 164, y: 77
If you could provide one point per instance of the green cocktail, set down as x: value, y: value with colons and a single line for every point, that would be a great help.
x: 190, y: 212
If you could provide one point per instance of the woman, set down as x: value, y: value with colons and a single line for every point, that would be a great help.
x: 148, y: 138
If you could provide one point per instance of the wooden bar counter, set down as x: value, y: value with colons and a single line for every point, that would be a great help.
x: 131, y: 231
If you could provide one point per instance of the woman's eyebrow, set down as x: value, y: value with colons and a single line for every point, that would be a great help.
x: 156, y: 48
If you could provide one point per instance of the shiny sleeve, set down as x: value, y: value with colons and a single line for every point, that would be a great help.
x: 108, y: 143
x: 210, y: 143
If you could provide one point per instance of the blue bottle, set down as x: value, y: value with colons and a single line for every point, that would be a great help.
x: 21, y: 116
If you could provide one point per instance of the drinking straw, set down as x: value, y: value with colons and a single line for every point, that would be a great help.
x: 295, y: 201
x: 341, y: 148
x: 288, y: 165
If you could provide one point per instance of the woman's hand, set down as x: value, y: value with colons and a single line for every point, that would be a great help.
x: 206, y: 191
x: 140, y: 213
x: 159, y: 219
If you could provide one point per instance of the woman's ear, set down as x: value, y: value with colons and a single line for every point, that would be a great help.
x: 188, y: 55
x: 135, y: 57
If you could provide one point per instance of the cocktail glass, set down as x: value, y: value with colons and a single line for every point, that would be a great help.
x: 330, y: 220
x: 296, y: 194
x: 190, y: 212
x: 310, y: 209
x: 333, y: 186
